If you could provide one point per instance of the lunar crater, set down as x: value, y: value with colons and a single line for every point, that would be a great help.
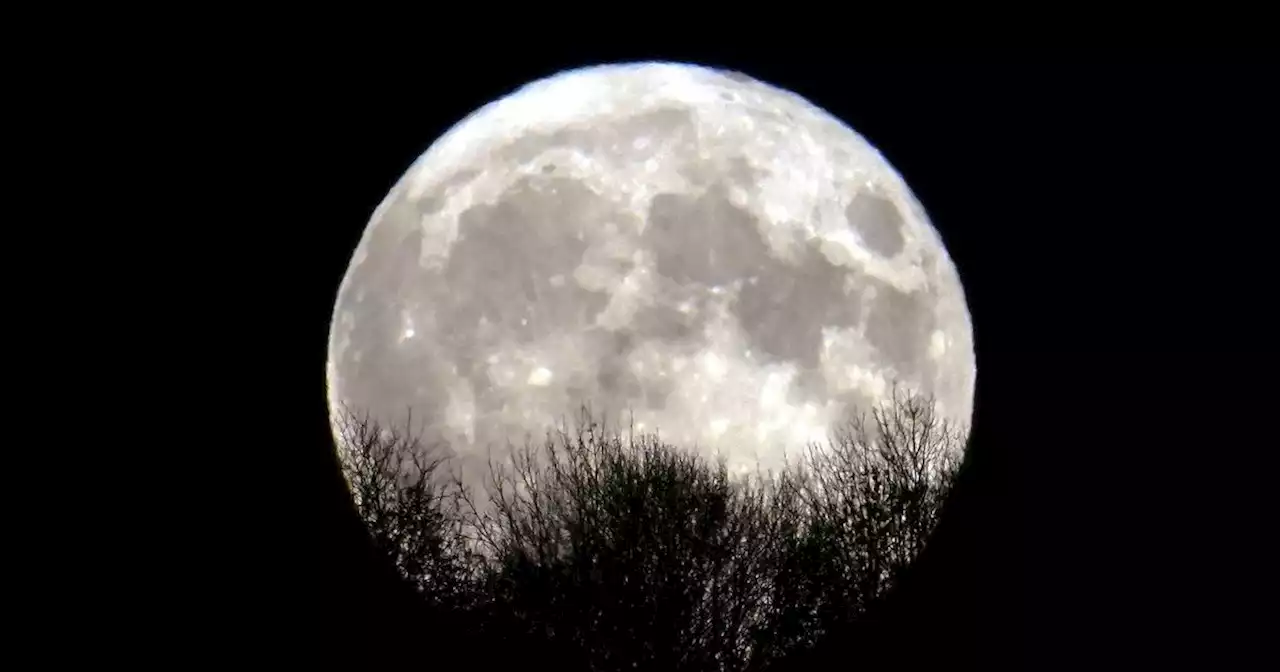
x: 617, y: 141
x: 723, y: 258
x: 877, y: 222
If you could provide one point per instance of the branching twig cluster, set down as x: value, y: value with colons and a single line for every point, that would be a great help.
x: 634, y: 554
x: 413, y: 518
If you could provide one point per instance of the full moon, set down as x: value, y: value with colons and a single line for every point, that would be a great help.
x: 699, y: 253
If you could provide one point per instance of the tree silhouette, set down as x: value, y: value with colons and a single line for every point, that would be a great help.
x: 413, y: 519
x: 618, y: 552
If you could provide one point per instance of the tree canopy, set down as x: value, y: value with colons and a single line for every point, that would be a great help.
x: 619, y: 551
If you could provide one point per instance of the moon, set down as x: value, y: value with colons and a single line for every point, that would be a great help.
x: 713, y: 258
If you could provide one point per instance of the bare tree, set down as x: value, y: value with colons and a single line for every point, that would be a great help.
x: 622, y: 552
x: 869, y: 502
x: 627, y: 548
x: 414, y: 517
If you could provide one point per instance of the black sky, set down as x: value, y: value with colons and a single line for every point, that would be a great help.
x: 1101, y: 212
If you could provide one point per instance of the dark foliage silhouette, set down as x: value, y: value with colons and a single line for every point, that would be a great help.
x: 414, y: 521
x: 617, y: 551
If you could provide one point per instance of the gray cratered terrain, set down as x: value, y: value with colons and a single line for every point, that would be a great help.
x: 718, y: 257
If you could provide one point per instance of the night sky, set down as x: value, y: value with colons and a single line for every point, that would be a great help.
x: 1084, y: 204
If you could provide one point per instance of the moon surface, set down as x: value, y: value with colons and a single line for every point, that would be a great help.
x: 717, y: 258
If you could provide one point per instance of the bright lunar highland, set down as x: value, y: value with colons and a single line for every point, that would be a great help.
x: 717, y: 258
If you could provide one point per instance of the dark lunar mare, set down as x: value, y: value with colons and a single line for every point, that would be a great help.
x: 497, y: 283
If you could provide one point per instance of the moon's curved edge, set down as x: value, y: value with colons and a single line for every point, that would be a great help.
x: 470, y: 134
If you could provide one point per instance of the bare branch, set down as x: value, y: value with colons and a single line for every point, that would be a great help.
x: 629, y: 552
